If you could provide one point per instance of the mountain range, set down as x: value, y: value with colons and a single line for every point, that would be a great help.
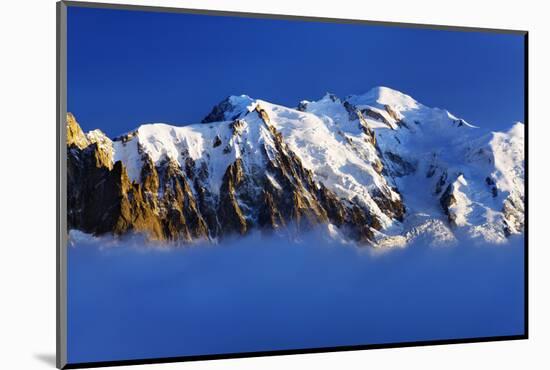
x: 378, y: 169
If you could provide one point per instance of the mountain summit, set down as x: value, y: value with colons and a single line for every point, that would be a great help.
x: 380, y: 169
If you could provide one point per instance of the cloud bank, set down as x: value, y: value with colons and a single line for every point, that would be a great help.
x: 127, y: 300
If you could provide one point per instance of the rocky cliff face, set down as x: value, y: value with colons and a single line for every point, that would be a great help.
x: 367, y: 165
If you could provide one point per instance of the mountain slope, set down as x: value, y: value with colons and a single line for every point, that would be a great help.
x: 379, y: 168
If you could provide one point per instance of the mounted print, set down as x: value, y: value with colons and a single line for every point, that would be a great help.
x: 234, y: 184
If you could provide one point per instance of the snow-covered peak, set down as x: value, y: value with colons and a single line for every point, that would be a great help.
x: 329, y: 108
x: 507, y: 149
x: 500, y: 151
x: 379, y: 151
x: 231, y: 108
x: 517, y: 131
x: 330, y: 97
x: 97, y: 136
x: 381, y: 96
x: 242, y: 103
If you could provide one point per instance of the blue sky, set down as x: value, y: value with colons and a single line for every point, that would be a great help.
x: 129, y: 67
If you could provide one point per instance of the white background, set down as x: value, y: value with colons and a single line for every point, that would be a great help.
x: 27, y: 182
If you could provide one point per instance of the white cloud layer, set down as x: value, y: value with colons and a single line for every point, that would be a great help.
x: 260, y: 293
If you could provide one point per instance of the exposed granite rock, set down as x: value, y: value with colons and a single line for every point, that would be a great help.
x: 262, y: 114
x: 431, y: 171
x: 270, y: 217
x: 378, y: 166
x: 447, y: 200
x: 375, y: 115
x: 179, y: 201
x: 398, y: 166
x: 230, y: 215
x: 302, y: 106
x: 492, y: 186
x: 352, y: 110
x: 237, y: 127
x: 102, y: 199
x: 218, y: 112
x: 75, y: 135
x: 224, y: 111
x: 336, y: 211
x: 362, y: 230
x: 126, y: 137
x: 514, y: 214
x: 393, y: 114
x: 441, y: 182
x: 217, y: 141
x: 393, y: 207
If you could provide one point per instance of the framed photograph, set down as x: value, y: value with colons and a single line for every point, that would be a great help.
x: 235, y: 185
